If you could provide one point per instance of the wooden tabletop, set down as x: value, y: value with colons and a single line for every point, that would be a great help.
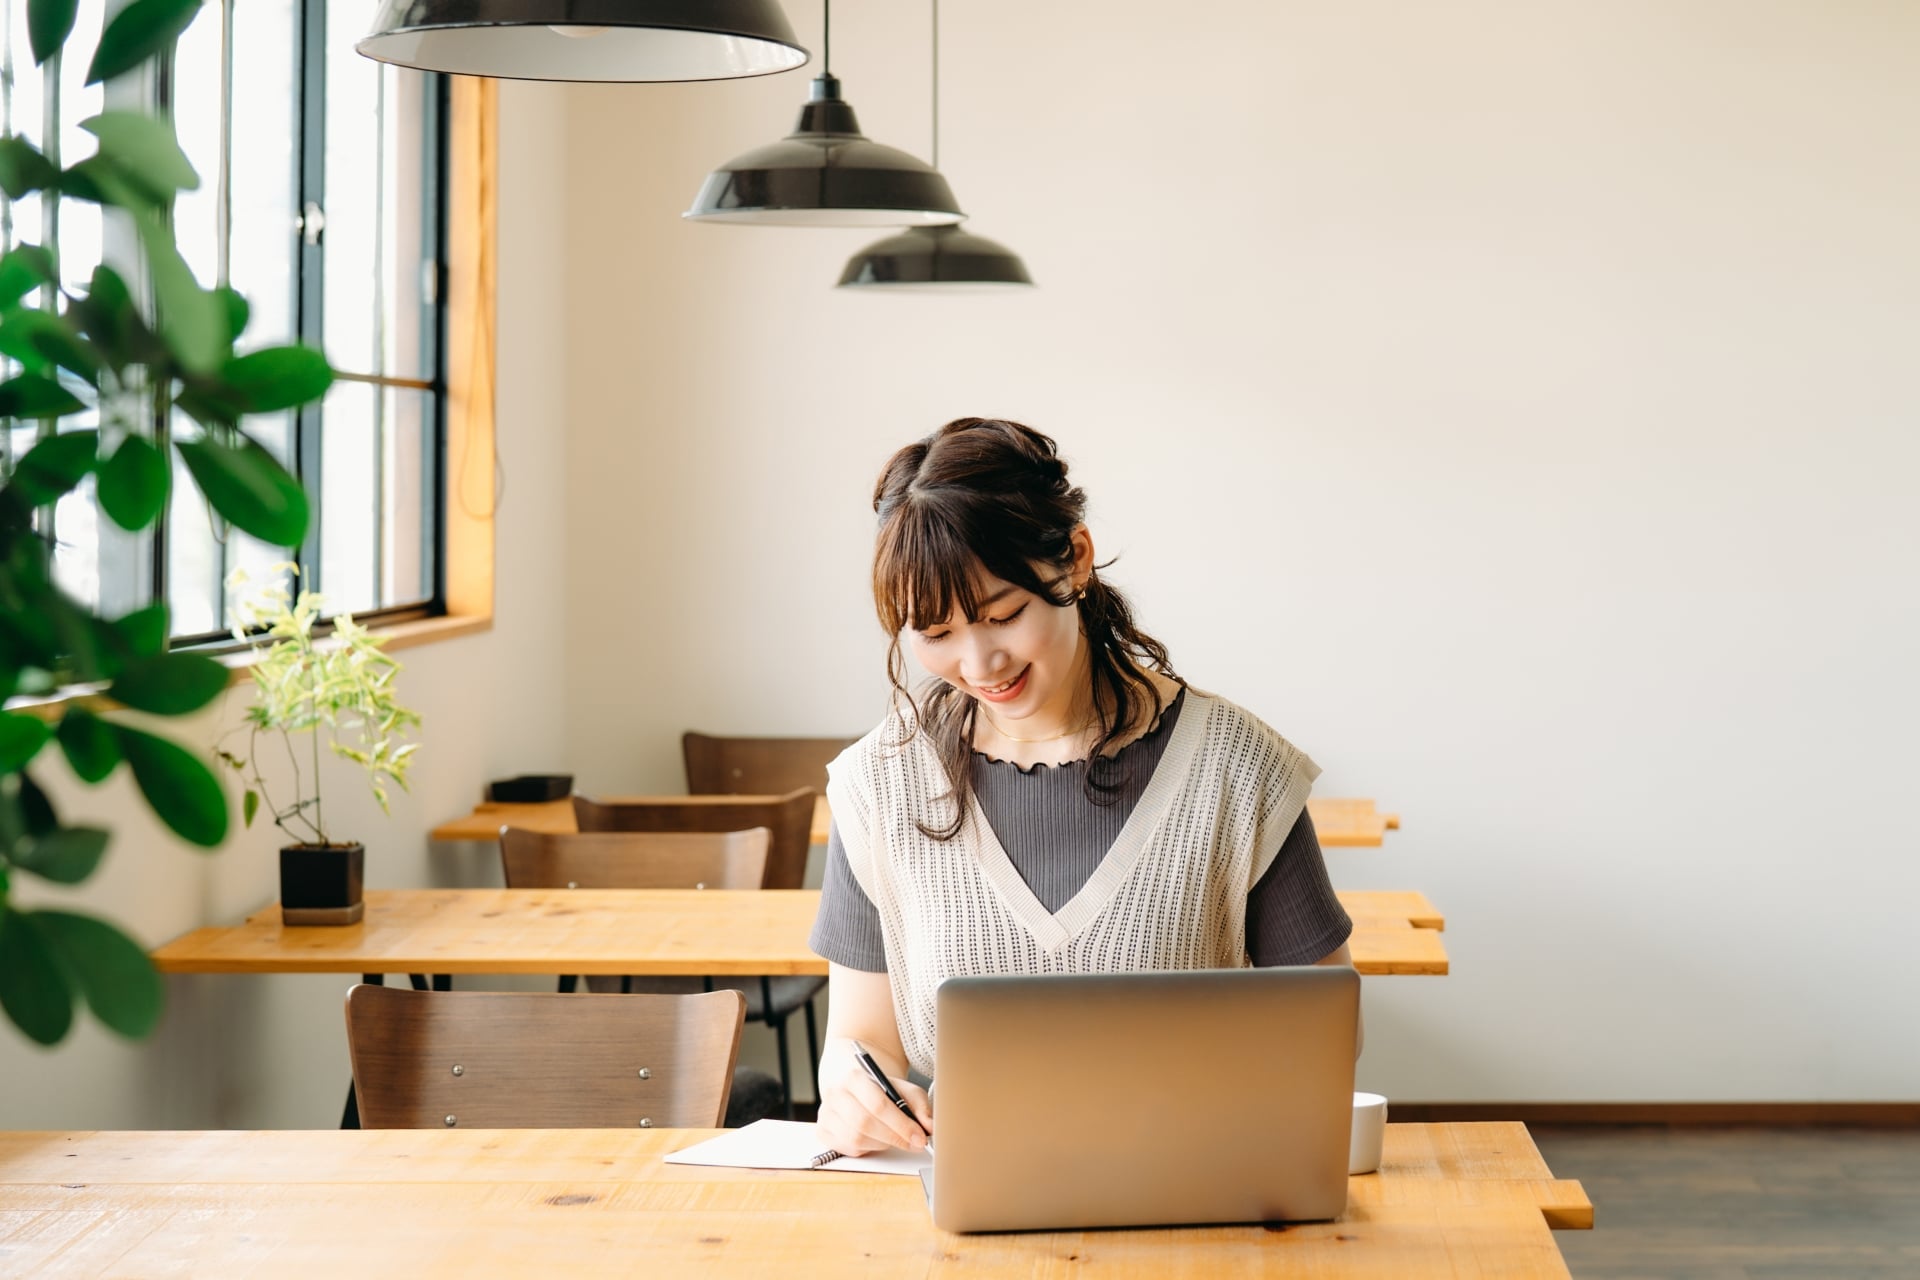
x: 484, y: 823
x: 640, y: 931
x: 1459, y: 1201
x: 1340, y: 823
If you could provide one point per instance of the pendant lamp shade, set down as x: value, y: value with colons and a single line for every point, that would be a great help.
x: 935, y: 259
x: 826, y: 174
x: 630, y: 40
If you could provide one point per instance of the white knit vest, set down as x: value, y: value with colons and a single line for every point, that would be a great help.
x: 1170, y: 894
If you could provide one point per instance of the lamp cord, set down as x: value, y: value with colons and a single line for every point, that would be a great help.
x: 936, y: 84
x: 826, y: 39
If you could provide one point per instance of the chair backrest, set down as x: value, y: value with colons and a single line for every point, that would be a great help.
x: 634, y: 859
x: 789, y: 817
x: 757, y: 766
x: 540, y: 1060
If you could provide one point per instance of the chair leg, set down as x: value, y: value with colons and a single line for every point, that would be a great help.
x: 567, y: 981
x: 786, y: 1075
x: 780, y: 1036
x: 813, y: 1054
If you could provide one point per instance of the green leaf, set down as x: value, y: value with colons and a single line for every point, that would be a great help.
x: 49, y: 23
x: 89, y: 744
x: 34, y: 988
x: 23, y: 170
x: 248, y: 486
x: 38, y: 338
x: 169, y: 684
x: 65, y: 856
x: 25, y: 268
x: 136, y: 33
x: 276, y: 378
x: 21, y: 738
x: 207, y: 406
x: 248, y: 807
x: 237, y: 312
x: 77, y: 634
x: 112, y: 969
x: 54, y: 466
x: 30, y: 395
x: 144, y: 630
x: 133, y: 483
x: 144, y: 149
x: 25, y: 812
x: 109, y: 319
x: 180, y: 789
x: 193, y: 322
x: 35, y: 809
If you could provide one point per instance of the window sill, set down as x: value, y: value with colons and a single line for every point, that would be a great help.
x: 401, y: 635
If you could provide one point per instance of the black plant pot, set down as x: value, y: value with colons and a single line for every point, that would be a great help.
x: 320, y: 883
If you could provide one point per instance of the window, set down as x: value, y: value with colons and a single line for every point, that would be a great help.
x: 323, y: 201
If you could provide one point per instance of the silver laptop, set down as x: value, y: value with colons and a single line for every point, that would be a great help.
x: 1134, y: 1099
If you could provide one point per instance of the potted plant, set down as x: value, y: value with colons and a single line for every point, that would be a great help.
x: 340, y: 688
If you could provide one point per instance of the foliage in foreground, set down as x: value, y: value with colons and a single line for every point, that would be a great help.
x: 102, y: 352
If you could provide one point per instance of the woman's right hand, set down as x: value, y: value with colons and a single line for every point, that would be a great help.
x: 855, y: 1117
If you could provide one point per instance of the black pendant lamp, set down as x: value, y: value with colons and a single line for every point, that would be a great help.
x: 935, y: 258
x: 629, y: 40
x: 826, y: 174
x: 945, y: 259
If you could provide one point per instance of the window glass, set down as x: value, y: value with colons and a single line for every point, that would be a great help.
x: 357, y: 238
x: 379, y: 497
x: 264, y: 245
x: 378, y: 318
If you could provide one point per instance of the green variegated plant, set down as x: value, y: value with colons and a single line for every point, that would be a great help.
x: 132, y: 364
x: 343, y: 691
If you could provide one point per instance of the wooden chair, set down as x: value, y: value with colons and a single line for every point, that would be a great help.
x: 634, y: 859
x: 527, y: 1060
x: 770, y: 999
x: 757, y: 766
x: 789, y: 817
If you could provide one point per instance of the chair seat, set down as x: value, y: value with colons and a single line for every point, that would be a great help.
x: 790, y: 991
x: 756, y: 1096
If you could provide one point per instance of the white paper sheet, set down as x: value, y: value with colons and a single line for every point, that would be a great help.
x: 792, y: 1144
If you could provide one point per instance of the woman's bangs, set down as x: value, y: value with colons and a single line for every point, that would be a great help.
x: 923, y: 572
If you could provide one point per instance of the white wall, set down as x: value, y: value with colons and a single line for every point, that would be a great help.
x: 1511, y: 402
x: 246, y: 1052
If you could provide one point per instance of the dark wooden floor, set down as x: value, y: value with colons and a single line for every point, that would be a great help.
x: 1690, y: 1203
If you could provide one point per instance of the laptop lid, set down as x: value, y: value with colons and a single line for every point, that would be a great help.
x: 1129, y: 1099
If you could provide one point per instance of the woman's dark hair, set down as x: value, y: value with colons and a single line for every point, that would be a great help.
x: 984, y: 493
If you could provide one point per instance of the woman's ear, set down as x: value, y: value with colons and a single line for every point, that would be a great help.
x: 1082, y: 542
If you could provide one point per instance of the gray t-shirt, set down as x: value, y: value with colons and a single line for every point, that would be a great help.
x: 1056, y: 837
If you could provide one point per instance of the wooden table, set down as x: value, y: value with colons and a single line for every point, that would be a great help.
x: 1340, y: 823
x: 639, y: 931
x: 1459, y: 1201
x: 484, y: 823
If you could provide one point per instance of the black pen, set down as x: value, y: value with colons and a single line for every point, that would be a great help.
x: 879, y: 1077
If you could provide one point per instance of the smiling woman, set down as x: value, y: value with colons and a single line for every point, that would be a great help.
x: 1054, y: 800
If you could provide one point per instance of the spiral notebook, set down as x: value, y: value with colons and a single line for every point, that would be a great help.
x: 793, y: 1144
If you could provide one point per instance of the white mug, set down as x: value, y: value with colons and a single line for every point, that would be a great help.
x: 1369, y: 1131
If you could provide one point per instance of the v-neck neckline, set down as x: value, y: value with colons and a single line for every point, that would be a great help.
x: 1054, y: 929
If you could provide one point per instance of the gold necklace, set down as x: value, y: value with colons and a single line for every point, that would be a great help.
x: 1050, y: 738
